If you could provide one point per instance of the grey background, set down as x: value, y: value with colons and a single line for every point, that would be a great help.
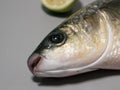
x: 23, y: 24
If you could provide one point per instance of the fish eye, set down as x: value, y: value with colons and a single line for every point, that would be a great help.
x: 57, y: 38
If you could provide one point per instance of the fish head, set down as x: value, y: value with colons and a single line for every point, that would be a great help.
x: 60, y: 54
x: 74, y: 46
x: 70, y: 48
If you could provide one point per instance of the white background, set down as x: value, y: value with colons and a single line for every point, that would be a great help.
x: 23, y: 24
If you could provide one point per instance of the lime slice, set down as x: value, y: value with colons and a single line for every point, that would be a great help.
x: 59, y: 5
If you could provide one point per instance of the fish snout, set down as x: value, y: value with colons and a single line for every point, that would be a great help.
x: 34, y: 61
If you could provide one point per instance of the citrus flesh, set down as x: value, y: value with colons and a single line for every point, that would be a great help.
x: 58, y: 5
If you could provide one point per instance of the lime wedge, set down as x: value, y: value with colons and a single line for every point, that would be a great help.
x: 58, y: 5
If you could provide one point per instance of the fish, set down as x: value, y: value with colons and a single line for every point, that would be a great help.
x: 88, y: 40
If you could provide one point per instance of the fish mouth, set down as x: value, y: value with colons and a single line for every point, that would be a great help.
x: 34, y: 61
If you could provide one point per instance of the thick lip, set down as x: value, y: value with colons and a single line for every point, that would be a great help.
x: 33, y: 62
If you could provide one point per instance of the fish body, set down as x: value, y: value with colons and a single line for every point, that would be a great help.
x: 86, y: 41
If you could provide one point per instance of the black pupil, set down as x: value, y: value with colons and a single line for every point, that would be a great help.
x: 57, y: 38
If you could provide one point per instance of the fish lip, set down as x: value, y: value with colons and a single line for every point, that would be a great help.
x: 33, y: 62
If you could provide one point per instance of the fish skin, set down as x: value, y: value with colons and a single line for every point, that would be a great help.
x: 91, y: 41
